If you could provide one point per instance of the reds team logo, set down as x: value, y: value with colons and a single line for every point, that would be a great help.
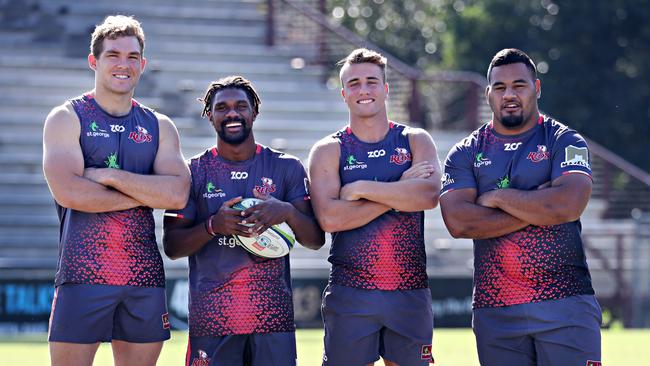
x: 140, y: 135
x: 402, y: 156
x: 202, y: 360
x: 165, y: 321
x: 539, y: 155
x: 267, y: 186
x: 426, y: 353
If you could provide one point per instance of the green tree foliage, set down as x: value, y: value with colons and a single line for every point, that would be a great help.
x: 593, y: 56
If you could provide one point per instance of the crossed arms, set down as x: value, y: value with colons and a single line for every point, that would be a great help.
x: 503, y: 211
x: 105, y: 190
x: 356, y: 204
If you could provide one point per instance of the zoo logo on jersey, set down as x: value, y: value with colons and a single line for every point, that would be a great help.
x: 267, y: 186
x: 353, y: 163
x: 402, y: 156
x: 140, y: 135
x: 95, y: 131
x: 212, y: 191
x: 539, y: 155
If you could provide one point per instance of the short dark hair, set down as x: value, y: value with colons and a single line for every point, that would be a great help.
x: 114, y: 27
x: 364, y: 55
x: 509, y: 56
x: 230, y: 82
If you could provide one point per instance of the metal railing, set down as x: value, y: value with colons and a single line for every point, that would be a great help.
x: 445, y: 100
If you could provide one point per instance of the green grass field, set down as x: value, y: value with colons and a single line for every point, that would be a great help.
x: 452, y: 347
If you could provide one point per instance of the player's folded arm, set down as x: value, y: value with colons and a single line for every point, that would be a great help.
x: 564, y: 201
x: 168, y: 187
x: 466, y: 219
x: 333, y: 213
x: 63, y: 166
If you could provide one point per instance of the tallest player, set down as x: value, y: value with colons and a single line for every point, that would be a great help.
x: 108, y: 161
x: 370, y: 183
x: 518, y: 186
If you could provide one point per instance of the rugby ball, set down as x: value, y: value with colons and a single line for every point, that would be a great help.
x: 277, y: 241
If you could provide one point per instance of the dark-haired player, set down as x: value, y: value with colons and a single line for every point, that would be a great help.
x: 518, y: 186
x: 109, y: 161
x: 241, y: 309
x: 370, y: 183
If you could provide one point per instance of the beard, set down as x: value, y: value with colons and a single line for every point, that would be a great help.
x: 233, y: 139
x: 512, y: 121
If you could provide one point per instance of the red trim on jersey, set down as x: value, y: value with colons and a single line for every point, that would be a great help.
x: 258, y: 149
x: 348, y: 130
x: 188, y: 353
x: 578, y: 171
x: 89, y: 95
x: 214, y: 151
x: 134, y: 102
x: 391, y: 124
x: 540, y: 120
x: 49, y: 328
x: 445, y: 192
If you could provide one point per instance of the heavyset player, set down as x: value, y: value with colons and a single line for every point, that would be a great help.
x: 517, y: 186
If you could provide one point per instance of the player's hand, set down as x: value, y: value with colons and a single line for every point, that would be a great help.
x: 420, y: 170
x: 228, y: 221
x: 352, y: 191
x: 267, y: 213
x: 97, y: 175
x: 488, y: 199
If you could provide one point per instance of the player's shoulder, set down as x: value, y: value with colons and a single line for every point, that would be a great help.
x: 474, y: 137
x: 199, y: 160
x: 557, y: 129
x: 328, y: 143
x: 279, y: 158
x: 62, y: 114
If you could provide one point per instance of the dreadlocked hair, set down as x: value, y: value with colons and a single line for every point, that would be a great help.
x: 230, y: 82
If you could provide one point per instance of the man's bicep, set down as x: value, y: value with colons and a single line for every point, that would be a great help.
x: 575, y: 188
x: 324, y: 179
x: 424, y: 149
x: 62, y: 155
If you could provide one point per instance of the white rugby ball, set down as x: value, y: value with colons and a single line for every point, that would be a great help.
x: 277, y: 241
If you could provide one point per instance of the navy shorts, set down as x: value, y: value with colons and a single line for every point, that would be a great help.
x: 362, y: 325
x: 262, y: 349
x: 102, y: 313
x: 548, y: 333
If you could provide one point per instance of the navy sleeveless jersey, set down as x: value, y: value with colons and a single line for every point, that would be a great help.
x: 536, y: 263
x: 112, y: 248
x: 388, y: 252
x: 231, y: 290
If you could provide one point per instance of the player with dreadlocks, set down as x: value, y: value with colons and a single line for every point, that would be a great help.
x: 241, y: 308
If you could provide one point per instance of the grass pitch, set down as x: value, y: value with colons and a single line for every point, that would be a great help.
x: 451, y: 347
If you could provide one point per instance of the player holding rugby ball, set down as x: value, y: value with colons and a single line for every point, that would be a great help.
x: 241, y: 306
